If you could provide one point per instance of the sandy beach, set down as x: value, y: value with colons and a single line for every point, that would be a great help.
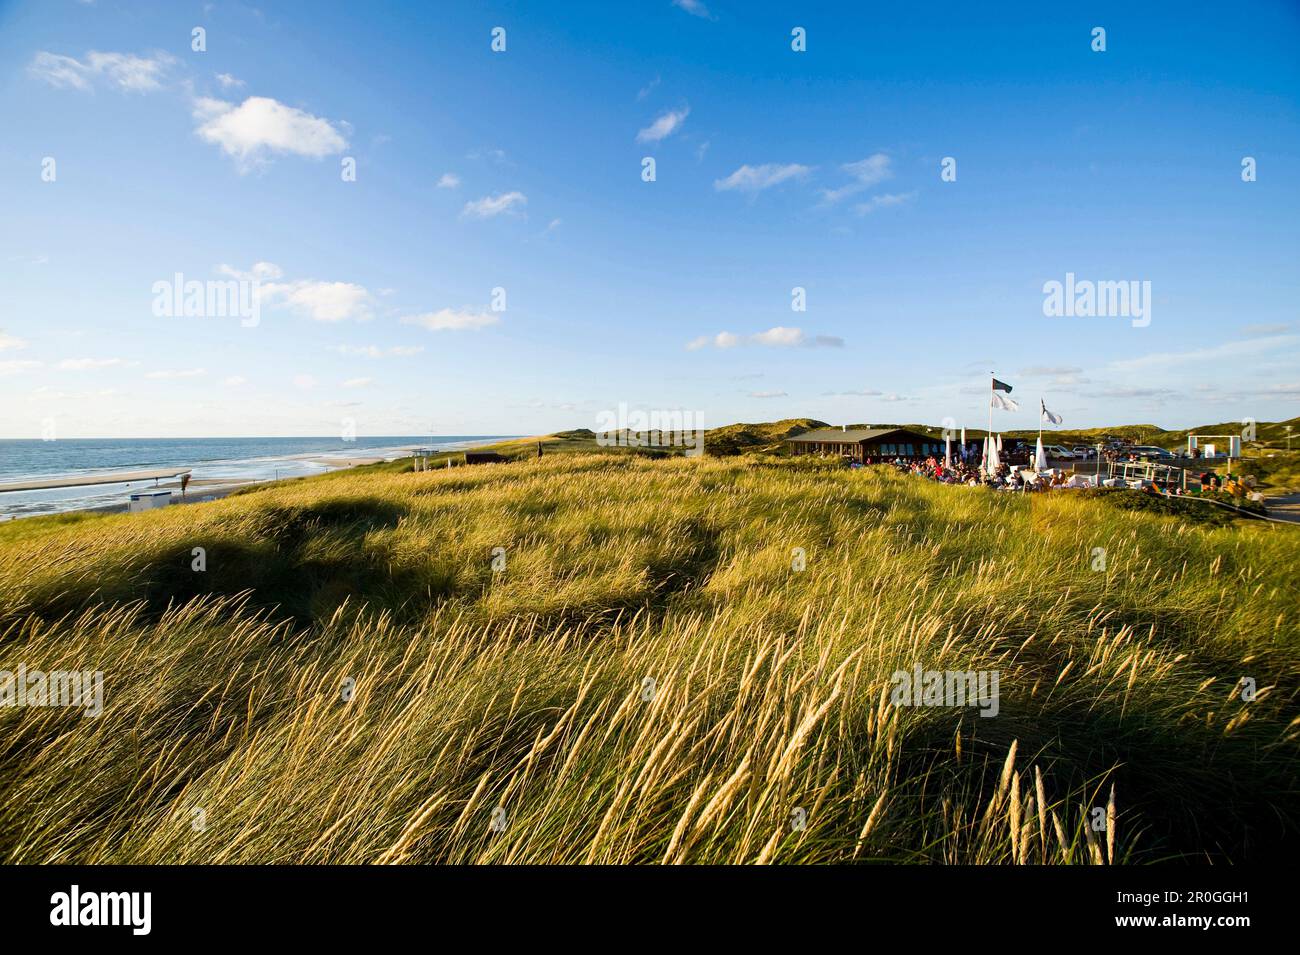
x: 89, y: 480
x: 211, y: 486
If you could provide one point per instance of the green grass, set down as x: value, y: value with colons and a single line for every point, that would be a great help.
x: 1190, y: 509
x: 526, y: 688
x: 1273, y: 470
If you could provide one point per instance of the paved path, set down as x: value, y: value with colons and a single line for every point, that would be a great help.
x: 1284, y: 507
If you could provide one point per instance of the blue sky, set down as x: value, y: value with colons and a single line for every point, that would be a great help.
x: 522, y: 170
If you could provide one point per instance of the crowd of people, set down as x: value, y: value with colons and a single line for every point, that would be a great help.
x: 1236, y: 485
x: 970, y: 472
x: 1006, y: 477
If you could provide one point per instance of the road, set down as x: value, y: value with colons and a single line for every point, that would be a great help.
x: 1284, y: 507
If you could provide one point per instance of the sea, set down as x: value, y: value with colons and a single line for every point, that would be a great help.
x: 215, y: 463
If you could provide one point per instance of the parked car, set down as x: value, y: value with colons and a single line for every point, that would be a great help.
x: 1150, y: 453
x: 1056, y: 451
x: 1084, y: 452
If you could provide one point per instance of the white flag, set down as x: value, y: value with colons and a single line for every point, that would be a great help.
x: 1047, y: 415
x: 1005, y: 403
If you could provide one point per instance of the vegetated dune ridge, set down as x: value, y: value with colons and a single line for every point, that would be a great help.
x: 647, y: 678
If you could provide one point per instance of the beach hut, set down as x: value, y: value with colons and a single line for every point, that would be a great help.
x: 148, y: 500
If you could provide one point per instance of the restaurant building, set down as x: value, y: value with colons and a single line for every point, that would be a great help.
x: 859, y: 444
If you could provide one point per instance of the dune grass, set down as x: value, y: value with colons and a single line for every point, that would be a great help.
x: 641, y: 675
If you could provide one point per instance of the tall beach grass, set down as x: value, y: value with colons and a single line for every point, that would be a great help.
x: 609, y: 659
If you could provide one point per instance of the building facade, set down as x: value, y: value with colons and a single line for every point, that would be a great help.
x: 863, y: 444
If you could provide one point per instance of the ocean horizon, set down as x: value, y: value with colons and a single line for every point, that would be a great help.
x: 211, y: 459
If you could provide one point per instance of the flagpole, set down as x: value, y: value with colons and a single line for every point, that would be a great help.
x: 992, y: 378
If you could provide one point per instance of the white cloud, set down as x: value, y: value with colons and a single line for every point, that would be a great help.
x: 51, y: 394
x: 261, y: 272
x: 756, y: 178
x: 15, y: 366
x: 647, y: 89
x: 131, y: 73
x: 88, y: 364
x: 9, y: 341
x: 1038, y: 371
x: 778, y: 336
x: 720, y: 340
x: 496, y: 155
x: 234, y: 381
x: 664, y: 126
x: 60, y: 71
x: 127, y: 72
x: 883, y: 202
x: 449, y: 180
x: 694, y: 7
x: 177, y: 373
x: 364, y: 351
x: 1253, y: 331
x: 228, y: 82
x: 448, y: 319
x: 260, y: 126
x: 1233, y: 349
x: 357, y: 382
x: 374, y: 351
x: 320, y: 301
x: 768, y: 394
x: 865, y: 174
x: 490, y: 206
x: 305, y: 382
x: 781, y: 336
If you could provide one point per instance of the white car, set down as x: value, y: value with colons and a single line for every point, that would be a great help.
x: 1056, y: 451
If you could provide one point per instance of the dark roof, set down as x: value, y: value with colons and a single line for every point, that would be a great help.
x: 854, y: 435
